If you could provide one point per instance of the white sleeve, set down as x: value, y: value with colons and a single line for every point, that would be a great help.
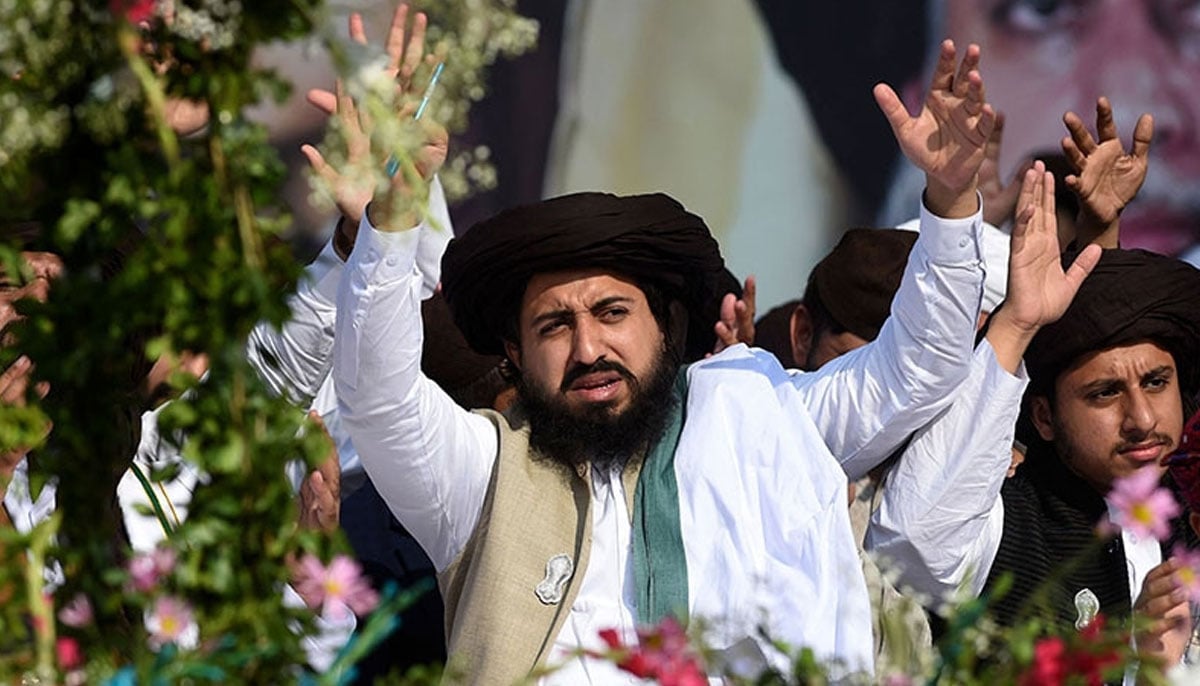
x: 435, y: 237
x: 866, y: 403
x: 941, y: 516
x: 430, y: 459
x: 294, y: 359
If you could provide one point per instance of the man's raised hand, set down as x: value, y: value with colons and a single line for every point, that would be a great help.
x: 405, y: 55
x: 1107, y: 177
x: 1039, y: 291
x: 948, y: 138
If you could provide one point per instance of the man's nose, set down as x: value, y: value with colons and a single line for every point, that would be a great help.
x: 587, y: 344
x: 1140, y: 418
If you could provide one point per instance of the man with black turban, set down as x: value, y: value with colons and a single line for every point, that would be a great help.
x: 1109, y: 385
x: 624, y: 487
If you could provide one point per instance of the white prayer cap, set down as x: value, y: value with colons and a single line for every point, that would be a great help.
x: 995, y: 246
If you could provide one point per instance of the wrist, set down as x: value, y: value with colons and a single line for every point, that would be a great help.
x: 1009, y: 339
x: 951, y: 202
x: 343, y: 237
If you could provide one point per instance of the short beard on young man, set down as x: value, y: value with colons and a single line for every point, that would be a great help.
x: 594, y: 434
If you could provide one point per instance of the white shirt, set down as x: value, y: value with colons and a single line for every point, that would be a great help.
x: 762, y: 499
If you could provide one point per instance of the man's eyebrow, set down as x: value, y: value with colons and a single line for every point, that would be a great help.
x: 567, y: 313
x: 611, y: 300
x: 1099, y: 384
x: 560, y: 313
x: 1161, y: 370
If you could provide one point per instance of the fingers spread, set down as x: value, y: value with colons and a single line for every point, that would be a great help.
x: 322, y: 100
x: 1106, y: 126
x: 416, y: 49
x: 1079, y: 133
x: 943, y: 74
x: 357, y: 33
x: 1143, y: 133
x: 1074, y: 155
x: 1083, y: 265
x: 892, y: 108
x: 970, y: 64
x: 395, y: 38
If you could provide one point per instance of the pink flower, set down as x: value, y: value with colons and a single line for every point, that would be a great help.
x: 68, y: 652
x: 1142, y: 507
x: 77, y: 612
x: 134, y: 11
x: 171, y: 621
x: 1188, y: 574
x: 334, y: 588
x: 662, y: 653
x: 148, y: 569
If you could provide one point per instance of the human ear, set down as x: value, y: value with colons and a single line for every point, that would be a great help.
x: 513, y: 352
x: 1042, y: 416
x: 801, y: 334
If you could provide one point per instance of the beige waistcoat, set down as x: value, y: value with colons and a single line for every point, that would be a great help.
x: 498, y: 631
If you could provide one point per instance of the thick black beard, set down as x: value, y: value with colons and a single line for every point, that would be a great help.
x: 596, y: 435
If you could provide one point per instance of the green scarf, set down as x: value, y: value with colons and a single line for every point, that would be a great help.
x: 659, y: 562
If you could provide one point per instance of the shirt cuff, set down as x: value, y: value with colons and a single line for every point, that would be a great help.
x: 999, y: 382
x: 953, y: 241
x: 385, y: 256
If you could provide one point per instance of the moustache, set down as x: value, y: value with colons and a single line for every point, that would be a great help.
x: 601, y: 365
x: 1162, y: 438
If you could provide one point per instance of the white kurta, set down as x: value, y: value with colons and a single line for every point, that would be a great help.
x: 762, y: 497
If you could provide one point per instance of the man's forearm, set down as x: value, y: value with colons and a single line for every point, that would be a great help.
x: 430, y: 459
x: 868, y: 402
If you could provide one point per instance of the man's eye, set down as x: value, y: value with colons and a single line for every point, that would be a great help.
x: 613, y: 314
x: 1157, y: 383
x: 1038, y: 16
x: 551, y: 328
x: 1103, y: 394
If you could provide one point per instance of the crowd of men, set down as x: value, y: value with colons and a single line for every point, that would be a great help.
x: 565, y: 408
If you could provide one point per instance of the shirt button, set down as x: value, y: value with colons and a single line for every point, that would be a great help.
x: 391, y: 260
x: 964, y: 242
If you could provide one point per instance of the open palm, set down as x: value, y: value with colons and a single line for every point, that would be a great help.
x: 948, y: 138
x: 1039, y: 290
x: 1107, y: 176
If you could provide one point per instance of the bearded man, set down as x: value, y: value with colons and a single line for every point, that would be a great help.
x: 624, y: 486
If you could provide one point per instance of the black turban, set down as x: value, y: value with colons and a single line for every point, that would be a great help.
x: 1131, y: 296
x: 649, y: 238
x: 858, y: 279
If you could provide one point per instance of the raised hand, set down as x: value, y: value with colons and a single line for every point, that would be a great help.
x: 405, y: 56
x: 949, y: 136
x: 736, y: 324
x: 1107, y: 176
x: 1039, y: 291
x: 999, y: 198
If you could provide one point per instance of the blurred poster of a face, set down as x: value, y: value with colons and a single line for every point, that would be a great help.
x: 1044, y: 57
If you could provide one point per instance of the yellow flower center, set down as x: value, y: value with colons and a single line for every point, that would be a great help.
x: 1142, y: 514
